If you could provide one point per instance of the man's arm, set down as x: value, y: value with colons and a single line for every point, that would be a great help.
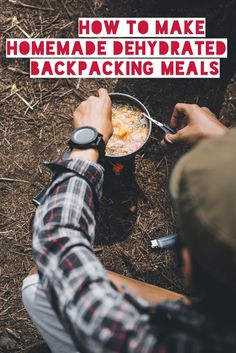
x: 193, y: 123
x: 95, y: 314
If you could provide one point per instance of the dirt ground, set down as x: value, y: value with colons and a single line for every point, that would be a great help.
x: 27, y: 138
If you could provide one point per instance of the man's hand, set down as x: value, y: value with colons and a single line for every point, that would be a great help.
x: 95, y: 112
x: 193, y: 124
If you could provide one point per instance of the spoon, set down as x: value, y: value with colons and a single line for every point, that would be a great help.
x: 164, y: 127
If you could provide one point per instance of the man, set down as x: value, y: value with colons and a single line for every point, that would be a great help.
x: 78, y: 306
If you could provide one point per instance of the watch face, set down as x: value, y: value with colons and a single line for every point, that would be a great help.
x: 85, y: 135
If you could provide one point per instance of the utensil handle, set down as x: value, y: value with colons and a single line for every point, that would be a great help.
x: 168, y: 130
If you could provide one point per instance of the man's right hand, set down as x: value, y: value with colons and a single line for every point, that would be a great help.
x: 193, y: 123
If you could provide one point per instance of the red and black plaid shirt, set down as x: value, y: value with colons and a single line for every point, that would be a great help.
x: 98, y: 317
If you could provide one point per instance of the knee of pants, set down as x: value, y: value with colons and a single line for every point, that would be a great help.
x: 28, y: 291
x: 44, y: 317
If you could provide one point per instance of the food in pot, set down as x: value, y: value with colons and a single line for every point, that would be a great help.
x: 130, y: 130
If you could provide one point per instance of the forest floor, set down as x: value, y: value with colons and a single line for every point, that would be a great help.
x: 28, y: 137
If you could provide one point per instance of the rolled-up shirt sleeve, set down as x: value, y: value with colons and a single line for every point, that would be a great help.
x: 96, y: 315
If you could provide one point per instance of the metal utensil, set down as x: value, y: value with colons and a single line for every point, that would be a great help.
x: 164, y: 242
x: 164, y: 127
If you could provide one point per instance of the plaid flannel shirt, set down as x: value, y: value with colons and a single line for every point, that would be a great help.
x: 98, y: 317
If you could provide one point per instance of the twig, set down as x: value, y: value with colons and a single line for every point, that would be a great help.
x: 62, y: 95
x: 25, y: 101
x: 26, y: 111
x: 90, y: 7
x: 48, y: 25
x: 7, y: 20
x: 17, y: 253
x: 42, y: 150
x: 15, y: 22
x: 19, y: 3
x: 51, y: 90
x: 69, y: 13
x: 97, y: 249
x: 13, y: 334
x: 66, y: 25
x: 10, y: 95
x: 12, y: 26
x: 78, y: 83
x: 5, y: 88
x: 14, y: 90
x: 18, y: 71
x: 31, y: 347
x: 23, y: 31
x: 49, y: 5
x: 75, y: 90
x: 79, y: 95
x: 17, y: 180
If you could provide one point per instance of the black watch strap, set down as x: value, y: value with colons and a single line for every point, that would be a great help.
x: 101, y: 147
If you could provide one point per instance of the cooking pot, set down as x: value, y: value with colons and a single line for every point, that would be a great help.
x: 127, y: 99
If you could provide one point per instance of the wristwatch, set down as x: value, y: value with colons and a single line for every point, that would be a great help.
x: 87, y: 137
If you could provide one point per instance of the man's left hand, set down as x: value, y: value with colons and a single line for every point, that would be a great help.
x: 95, y: 112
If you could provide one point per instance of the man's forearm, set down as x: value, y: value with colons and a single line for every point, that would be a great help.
x: 68, y: 208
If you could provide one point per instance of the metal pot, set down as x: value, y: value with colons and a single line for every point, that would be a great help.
x: 125, y: 98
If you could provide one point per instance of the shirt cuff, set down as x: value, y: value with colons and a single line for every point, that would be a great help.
x: 89, y: 171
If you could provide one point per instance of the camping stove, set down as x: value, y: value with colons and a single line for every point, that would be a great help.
x: 119, y: 183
